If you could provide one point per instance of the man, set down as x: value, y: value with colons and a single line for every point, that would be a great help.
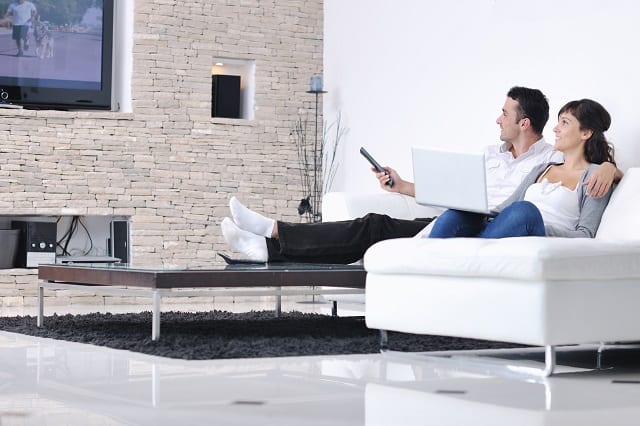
x: 524, y: 115
x: 21, y: 12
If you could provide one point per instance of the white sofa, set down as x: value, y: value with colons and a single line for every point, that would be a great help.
x: 532, y: 290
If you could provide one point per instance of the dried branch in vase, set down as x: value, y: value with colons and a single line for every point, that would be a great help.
x: 318, y: 164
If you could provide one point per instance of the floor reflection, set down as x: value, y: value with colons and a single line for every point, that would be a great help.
x: 44, y: 381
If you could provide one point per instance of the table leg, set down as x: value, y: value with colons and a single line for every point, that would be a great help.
x: 384, y: 341
x: 155, y: 315
x: 279, y: 303
x: 40, y: 305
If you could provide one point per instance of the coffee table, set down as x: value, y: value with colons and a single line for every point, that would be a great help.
x: 275, y: 279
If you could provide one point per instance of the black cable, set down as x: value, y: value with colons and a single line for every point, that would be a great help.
x: 59, y: 242
x: 88, y: 236
x: 66, y: 238
x: 72, y: 230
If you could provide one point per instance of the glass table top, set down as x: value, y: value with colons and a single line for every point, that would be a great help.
x: 272, y: 267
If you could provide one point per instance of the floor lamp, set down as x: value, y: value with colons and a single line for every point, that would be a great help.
x: 316, y: 89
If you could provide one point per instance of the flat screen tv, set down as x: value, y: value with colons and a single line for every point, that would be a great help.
x: 62, y: 58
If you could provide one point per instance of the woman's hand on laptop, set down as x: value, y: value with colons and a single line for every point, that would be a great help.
x: 399, y: 185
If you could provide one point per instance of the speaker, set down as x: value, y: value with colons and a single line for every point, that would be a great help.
x: 36, y: 243
x: 225, y: 96
x: 119, y: 241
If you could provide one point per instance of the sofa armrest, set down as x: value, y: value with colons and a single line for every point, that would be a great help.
x: 349, y: 205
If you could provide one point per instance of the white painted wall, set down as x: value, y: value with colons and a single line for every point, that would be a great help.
x: 436, y: 72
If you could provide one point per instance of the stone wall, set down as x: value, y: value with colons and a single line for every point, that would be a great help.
x: 168, y: 165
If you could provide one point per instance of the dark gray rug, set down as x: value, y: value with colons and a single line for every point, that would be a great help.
x: 220, y: 334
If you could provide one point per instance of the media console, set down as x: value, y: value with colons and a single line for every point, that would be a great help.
x: 65, y: 238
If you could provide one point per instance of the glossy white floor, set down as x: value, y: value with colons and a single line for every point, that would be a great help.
x: 47, y: 382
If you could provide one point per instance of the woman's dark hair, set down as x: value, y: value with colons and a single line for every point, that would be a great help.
x: 533, y: 105
x: 592, y: 116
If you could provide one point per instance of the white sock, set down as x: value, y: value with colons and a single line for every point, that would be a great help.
x: 252, y: 246
x: 249, y: 220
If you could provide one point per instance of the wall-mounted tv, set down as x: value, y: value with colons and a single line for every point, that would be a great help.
x: 61, y: 55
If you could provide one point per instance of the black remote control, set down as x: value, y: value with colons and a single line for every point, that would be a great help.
x: 376, y: 165
x: 231, y: 261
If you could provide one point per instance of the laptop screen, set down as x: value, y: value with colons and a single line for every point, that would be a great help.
x: 450, y: 179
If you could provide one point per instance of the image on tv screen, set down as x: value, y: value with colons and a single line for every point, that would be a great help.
x: 51, y: 43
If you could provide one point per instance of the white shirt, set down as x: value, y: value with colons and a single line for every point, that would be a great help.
x: 21, y: 13
x: 505, y: 173
x: 558, y: 205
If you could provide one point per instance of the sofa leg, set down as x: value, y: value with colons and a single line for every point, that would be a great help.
x: 384, y: 341
x: 549, y: 360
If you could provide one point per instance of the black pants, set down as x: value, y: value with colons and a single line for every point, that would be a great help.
x: 337, y: 242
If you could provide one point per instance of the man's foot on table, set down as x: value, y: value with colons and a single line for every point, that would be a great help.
x: 249, y: 220
x: 252, y: 246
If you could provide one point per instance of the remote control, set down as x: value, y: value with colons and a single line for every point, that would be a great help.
x: 232, y: 261
x: 376, y: 165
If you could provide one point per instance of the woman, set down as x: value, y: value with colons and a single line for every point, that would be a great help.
x: 552, y: 200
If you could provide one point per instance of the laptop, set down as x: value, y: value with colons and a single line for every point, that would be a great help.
x: 454, y: 180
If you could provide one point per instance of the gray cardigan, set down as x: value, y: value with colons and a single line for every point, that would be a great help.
x: 591, y: 209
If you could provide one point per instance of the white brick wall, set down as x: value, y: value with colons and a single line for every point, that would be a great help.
x: 167, y: 164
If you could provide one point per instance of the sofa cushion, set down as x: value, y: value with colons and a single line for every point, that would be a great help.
x: 620, y: 219
x: 524, y: 258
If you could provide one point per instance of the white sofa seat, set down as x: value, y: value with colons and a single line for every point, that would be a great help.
x: 531, y: 290
x: 521, y: 258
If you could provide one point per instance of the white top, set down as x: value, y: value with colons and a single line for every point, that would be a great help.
x: 558, y: 204
x: 21, y: 13
x: 505, y: 173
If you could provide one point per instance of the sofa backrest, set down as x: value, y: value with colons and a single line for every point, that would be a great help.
x: 350, y: 205
x: 620, y: 219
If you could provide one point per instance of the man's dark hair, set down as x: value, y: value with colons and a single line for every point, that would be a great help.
x: 533, y: 105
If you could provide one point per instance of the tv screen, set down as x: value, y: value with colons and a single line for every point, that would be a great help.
x: 56, y: 54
